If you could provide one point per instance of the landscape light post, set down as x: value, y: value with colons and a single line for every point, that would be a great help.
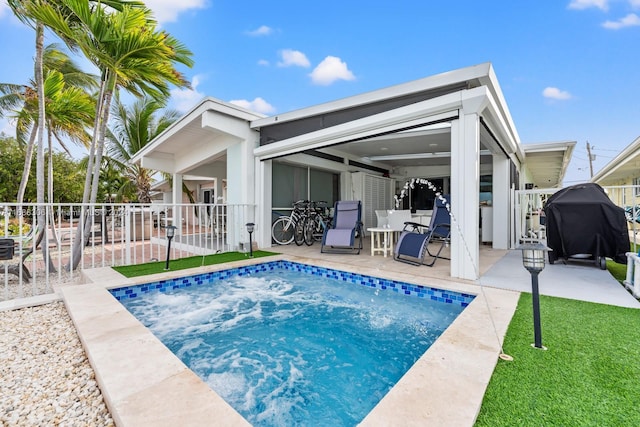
x: 533, y: 260
x: 171, y: 231
x: 250, y: 227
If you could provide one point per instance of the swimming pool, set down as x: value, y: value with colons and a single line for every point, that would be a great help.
x: 278, y: 348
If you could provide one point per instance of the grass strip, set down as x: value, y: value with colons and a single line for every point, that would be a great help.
x: 184, y: 263
x: 587, y: 377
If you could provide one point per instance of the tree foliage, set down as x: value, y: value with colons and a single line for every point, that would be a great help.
x: 67, y: 175
x: 132, y: 129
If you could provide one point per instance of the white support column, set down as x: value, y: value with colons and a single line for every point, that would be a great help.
x: 500, y: 200
x: 241, y: 187
x: 465, y: 198
x: 176, y: 211
x: 264, y: 202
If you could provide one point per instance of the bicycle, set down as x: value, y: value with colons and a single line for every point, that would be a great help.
x: 316, y: 221
x: 288, y: 228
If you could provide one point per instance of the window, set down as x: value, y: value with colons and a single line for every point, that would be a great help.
x: 636, y: 188
x: 292, y: 183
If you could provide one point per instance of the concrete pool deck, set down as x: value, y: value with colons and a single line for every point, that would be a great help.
x: 144, y: 384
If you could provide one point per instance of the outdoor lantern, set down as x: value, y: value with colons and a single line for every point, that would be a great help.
x: 171, y: 231
x: 250, y: 227
x: 533, y: 260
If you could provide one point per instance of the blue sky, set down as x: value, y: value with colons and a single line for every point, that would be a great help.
x: 569, y: 69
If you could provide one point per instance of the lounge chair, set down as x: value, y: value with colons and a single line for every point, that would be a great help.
x: 345, y: 228
x: 413, y: 243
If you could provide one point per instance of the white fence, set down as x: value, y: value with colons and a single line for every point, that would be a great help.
x: 632, y: 281
x: 35, y: 258
x: 529, y: 221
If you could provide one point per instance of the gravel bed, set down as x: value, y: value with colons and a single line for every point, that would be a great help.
x: 45, y: 376
x: 10, y: 287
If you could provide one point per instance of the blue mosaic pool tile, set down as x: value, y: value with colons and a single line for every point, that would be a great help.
x: 419, y: 291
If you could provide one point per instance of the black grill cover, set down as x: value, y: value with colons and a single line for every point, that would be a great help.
x: 581, y: 219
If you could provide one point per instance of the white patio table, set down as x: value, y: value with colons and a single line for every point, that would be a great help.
x: 381, y: 240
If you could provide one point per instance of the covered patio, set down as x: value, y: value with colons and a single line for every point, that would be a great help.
x: 453, y: 129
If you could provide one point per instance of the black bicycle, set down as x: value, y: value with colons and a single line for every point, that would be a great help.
x: 316, y: 220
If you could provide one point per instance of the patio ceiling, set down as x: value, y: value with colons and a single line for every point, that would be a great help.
x: 428, y: 146
x: 547, y: 163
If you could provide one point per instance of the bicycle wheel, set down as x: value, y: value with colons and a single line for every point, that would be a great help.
x: 282, y: 231
x: 298, y: 234
x: 309, y: 226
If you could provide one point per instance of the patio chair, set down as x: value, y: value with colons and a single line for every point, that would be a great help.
x: 345, y: 228
x: 413, y: 243
x: 381, y: 218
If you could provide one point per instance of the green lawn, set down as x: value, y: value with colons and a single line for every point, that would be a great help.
x: 183, y: 263
x: 589, y: 376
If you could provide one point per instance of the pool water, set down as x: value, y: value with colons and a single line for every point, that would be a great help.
x: 290, y: 348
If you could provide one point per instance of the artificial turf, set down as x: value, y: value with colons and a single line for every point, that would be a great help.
x: 619, y: 271
x: 184, y: 263
x: 589, y: 376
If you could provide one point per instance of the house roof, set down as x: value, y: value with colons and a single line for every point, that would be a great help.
x: 190, y: 128
x: 547, y: 162
x: 624, y: 167
x: 393, y: 110
x: 468, y: 77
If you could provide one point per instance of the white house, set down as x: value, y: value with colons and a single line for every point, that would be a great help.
x: 453, y: 129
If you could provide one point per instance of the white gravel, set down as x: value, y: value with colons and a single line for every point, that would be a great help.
x: 45, y: 377
x: 41, y: 284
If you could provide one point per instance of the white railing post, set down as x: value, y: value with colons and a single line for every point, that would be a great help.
x: 127, y: 234
x: 629, y: 278
x: 636, y: 279
x: 632, y: 280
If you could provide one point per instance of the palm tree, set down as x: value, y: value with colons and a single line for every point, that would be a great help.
x: 67, y: 104
x: 133, y: 128
x: 128, y: 50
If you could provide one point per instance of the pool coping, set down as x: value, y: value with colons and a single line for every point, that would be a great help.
x: 144, y: 384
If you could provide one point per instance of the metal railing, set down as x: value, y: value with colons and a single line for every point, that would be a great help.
x: 73, y: 237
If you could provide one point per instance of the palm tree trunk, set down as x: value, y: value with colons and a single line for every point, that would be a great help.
x: 28, y: 158
x: 100, y: 146
x: 92, y: 178
x: 50, y: 199
x: 41, y: 211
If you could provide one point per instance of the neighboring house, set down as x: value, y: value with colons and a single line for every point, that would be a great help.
x: 623, y: 171
x: 453, y: 129
x: 206, y: 190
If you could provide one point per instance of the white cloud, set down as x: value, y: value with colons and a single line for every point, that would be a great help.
x: 168, y: 10
x: 586, y: 4
x: 263, y: 30
x: 329, y: 70
x: 263, y: 62
x: 4, y: 9
x: 184, y: 99
x: 7, y: 128
x: 631, y: 20
x: 555, y: 93
x: 258, y: 105
x: 635, y: 4
x: 290, y: 57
